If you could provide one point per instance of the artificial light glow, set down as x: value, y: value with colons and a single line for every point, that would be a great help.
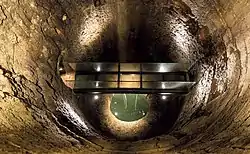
x: 64, y: 18
x: 164, y: 97
x: 98, y: 69
x: 184, y: 41
x: 96, y: 97
x: 97, y: 84
x: 93, y: 26
x: 163, y: 86
x: 116, y: 113
x: 165, y: 93
x: 162, y: 69
x: 60, y: 69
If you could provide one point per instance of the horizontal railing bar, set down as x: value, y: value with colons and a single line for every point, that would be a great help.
x: 121, y: 63
x: 128, y: 72
x: 90, y: 81
x: 130, y: 90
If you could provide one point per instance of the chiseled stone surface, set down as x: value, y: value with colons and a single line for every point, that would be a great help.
x: 213, y: 36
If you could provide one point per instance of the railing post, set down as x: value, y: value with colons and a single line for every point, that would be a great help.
x: 119, y: 74
x: 140, y: 75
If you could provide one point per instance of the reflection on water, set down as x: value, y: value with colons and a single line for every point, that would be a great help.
x: 129, y: 107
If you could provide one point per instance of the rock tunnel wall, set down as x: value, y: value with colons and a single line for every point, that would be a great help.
x: 35, y: 34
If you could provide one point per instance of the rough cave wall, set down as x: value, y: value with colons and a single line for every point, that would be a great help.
x: 222, y: 119
x: 32, y: 38
x: 31, y: 35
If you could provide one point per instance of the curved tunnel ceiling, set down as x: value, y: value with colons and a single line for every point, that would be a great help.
x: 39, y: 114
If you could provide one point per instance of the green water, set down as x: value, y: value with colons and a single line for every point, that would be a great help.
x: 129, y: 107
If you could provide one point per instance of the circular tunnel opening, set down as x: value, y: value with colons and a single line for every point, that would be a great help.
x: 212, y: 117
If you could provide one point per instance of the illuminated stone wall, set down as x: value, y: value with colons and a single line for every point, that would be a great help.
x: 213, y: 36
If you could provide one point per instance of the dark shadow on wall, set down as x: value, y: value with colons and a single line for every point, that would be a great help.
x: 167, y: 113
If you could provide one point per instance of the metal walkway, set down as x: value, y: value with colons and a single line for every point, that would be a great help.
x: 131, y: 78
